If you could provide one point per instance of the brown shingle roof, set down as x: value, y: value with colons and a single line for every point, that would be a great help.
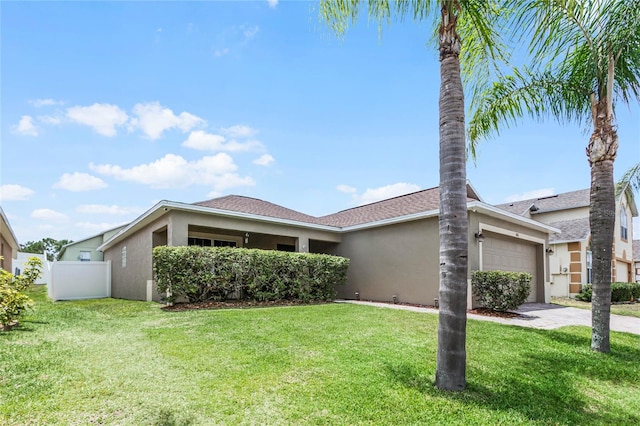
x: 572, y: 230
x: 566, y: 200
x: 636, y: 250
x: 403, y: 205
x: 238, y: 203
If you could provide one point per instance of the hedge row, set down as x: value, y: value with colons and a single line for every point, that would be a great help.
x: 500, y: 290
x: 216, y: 273
x: 620, y: 292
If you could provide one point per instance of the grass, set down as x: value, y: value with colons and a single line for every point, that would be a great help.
x: 130, y: 363
x: 627, y: 309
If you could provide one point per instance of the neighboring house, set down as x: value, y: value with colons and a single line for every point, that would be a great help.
x: 85, y: 250
x: 393, y: 244
x: 636, y: 260
x: 20, y: 264
x: 570, y: 255
x: 8, y: 244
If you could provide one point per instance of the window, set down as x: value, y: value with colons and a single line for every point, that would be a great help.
x: 623, y: 223
x: 589, y: 267
x: 224, y: 243
x: 124, y: 256
x: 85, y: 256
x: 202, y: 242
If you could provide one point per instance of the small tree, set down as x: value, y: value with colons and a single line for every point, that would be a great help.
x: 13, y: 302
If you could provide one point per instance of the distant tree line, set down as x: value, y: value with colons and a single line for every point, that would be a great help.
x: 49, y: 246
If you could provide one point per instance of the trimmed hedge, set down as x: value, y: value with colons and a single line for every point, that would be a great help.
x: 215, y: 273
x: 620, y: 292
x: 500, y: 290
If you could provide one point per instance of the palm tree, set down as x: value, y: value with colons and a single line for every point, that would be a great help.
x: 473, y: 19
x: 589, y: 51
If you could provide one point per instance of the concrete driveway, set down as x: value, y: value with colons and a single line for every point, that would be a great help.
x: 534, y: 315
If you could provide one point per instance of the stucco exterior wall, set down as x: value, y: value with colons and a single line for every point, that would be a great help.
x: 7, y: 252
x: 130, y: 281
x: 623, y: 254
x: 559, y: 215
x: 173, y: 228
x: 559, y: 267
x: 400, y: 259
x: 72, y: 252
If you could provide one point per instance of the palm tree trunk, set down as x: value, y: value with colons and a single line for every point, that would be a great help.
x: 451, y: 357
x: 602, y: 149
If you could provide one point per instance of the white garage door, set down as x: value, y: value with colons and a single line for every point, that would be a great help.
x: 513, y: 256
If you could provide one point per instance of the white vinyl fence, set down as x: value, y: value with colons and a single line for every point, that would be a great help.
x: 80, y: 280
x: 21, y: 263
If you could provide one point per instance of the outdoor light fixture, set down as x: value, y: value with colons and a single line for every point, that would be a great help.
x: 395, y: 298
x: 549, y: 251
x: 246, y: 238
x: 479, y: 236
x: 357, y: 296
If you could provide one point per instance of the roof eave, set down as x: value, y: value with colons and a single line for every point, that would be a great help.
x: 511, y: 217
x: 164, y: 207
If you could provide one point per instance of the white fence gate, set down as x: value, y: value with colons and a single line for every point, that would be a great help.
x: 80, y: 280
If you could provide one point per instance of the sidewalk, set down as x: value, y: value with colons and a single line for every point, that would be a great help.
x: 534, y: 315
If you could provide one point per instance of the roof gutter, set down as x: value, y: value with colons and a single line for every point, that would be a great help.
x: 163, y: 207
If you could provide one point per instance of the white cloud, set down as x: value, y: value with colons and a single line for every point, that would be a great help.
x: 103, y: 118
x: 78, y: 182
x: 272, y: 3
x: 239, y: 131
x: 249, y: 32
x: 264, y: 160
x: 26, y: 126
x: 48, y: 214
x: 221, y: 52
x: 173, y: 171
x: 10, y: 192
x: 371, y: 195
x: 346, y: 188
x: 153, y: 119
x: 110, y: 210
x: 38, y: 103
x: 204, y: 141
x: 536, y: 193
x: 50, y: 119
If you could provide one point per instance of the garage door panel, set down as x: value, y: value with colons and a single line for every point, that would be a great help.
x: 512, y: 256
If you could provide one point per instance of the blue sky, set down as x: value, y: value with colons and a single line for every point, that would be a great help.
x: 109, y: 107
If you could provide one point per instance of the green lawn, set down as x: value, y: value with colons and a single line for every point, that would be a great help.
x: 627, y: 309
x: 129, y: 363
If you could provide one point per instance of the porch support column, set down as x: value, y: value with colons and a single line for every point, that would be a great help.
x: 302, y: 244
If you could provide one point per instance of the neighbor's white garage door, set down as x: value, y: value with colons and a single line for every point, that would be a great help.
x: 513, y: 256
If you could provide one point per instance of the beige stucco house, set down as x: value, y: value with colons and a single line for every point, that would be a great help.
x: 393, y: 244
x: 8, y: 244
x: 570, y: 256
x: 85, y: 250
x: 636, y: 260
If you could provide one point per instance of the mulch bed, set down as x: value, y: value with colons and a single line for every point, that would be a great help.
x: 234, y: 304
x: 491, y: 313
x: 248, y: 304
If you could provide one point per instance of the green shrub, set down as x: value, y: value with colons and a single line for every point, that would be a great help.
x: 620, y: 292
x: 215, y: 273
x: 585, y: 294
x: 500, y: 290
x: 13, y: 302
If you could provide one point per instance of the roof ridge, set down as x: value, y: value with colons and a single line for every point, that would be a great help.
x: 381, y: 201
